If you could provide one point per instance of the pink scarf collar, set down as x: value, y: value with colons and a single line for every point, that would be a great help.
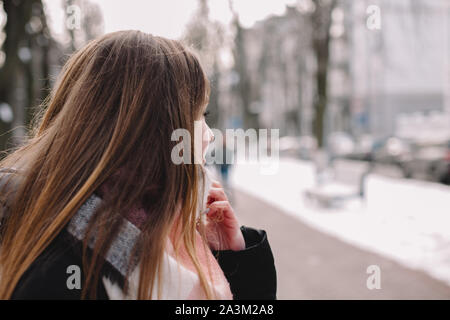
x: 180, y: 278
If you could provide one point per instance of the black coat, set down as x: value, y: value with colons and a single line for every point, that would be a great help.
x: 250, y: 272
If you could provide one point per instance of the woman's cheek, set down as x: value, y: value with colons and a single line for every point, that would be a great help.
x: 207, y: 136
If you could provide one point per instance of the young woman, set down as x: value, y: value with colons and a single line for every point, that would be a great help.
x: 94, y: 206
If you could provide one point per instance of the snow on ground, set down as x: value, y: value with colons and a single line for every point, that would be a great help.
x: 405, y: 220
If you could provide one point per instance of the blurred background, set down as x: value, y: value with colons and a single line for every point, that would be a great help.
x: 359, y: 91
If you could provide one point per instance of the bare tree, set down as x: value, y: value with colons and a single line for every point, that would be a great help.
x: 25, y: 43
x: 321, y: 22
x: 243, y: 87
x: 206, y: 37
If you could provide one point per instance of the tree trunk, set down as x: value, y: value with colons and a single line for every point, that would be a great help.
x: 321, y: 41
x: 18, y: 14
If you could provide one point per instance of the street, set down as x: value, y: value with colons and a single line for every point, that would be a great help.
x: 314, y: 265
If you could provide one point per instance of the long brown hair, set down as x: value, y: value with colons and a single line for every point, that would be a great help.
x: 114, y: 106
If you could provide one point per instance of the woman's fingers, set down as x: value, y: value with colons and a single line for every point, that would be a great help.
x: 223, y: 204
x: 221, y: 211
x: 223, y: 223
x: 216, y: 194
x: 217, y: 210
x: 216, y: 184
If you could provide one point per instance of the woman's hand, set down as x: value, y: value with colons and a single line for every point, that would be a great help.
x: 222, y: 228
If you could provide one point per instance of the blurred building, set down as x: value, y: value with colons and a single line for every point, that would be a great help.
x: 395, y: 79
x: 381, y: 80
x: 281, y: 66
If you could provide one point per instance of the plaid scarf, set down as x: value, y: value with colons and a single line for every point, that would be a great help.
x: 179, y: 275
x: 180, y: 278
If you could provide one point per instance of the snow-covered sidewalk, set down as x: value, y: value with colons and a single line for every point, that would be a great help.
x: 405, y: 220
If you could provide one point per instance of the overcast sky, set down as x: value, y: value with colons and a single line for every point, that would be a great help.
x: 167, y: 17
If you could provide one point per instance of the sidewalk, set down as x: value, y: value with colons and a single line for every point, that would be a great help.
x: 314, y: 265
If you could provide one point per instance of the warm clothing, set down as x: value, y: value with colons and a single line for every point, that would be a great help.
x: 249, y: 273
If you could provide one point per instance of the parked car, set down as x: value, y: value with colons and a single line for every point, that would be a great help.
x: 405, y: 158
x: 415, y: 160
x: 394, y: 151
x: 442, y: 167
